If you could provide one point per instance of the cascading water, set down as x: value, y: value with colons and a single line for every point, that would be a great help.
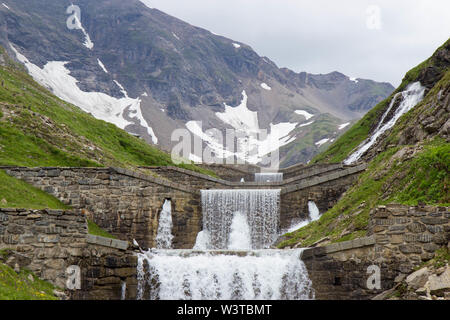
x: 268, y: 177
x: 253, y: 275
x: 260, y: 207
x: 224, y: 265
x: 164, y: 236
x: 240, y: 233
x: 410, y: 98
x: 314, y: 214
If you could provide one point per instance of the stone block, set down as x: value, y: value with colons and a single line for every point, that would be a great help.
x: 433, y: 220
x: 409, y: 248
x: 416, y: 227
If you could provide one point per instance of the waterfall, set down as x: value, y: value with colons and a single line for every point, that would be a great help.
x: 314, y: 214
x: 254, y: 275
x: 268, y: 177
x: 260, y: 207
x: 123, y: 293
x: 229, y: 260
x: 164, y: 236
x: 409, y: 99
x: 240, y: 233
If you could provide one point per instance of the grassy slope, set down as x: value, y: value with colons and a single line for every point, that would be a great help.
x: 97, y: 231
x: 390, y: 177
x: 23, y: 285
x: 343, y: 146
x: 38, y: 129
x: 323, y: 126
x: 15, y: 193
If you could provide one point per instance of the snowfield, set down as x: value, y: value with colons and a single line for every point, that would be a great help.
x: 304, y: 113
x: 321, y: 142
x: 57, y: 78
x: 102, y: 65
x: 342, y: 126
x: 252, y: 146
x: 265, y: 86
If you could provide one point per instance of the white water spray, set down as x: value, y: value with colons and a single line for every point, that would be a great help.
x: 410, y: 98
x: 222, y: 264
x: 240, y: 233
x: 260, y: 207
x: 186, y: 275
x: 164, y: 236
x: 268, y: 177
x: 314, y: 215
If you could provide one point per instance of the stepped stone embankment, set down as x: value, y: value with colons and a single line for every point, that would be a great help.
x: 124, y: 203
x: 50, y: 242
x: 401, y: 238
x: 127, y: 204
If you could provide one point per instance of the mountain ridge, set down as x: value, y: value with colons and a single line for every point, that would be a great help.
x: 175, y: 72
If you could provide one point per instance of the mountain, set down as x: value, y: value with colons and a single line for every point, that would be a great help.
x: 150, y: 73
x: 39, y: 129
x: 408, y: 163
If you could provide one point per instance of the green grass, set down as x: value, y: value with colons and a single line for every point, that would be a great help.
x: 20, y: 286
x: 97, y: 231
x: 39, y: 129
x: 423, y: 179
x: 15, y: 193
x: 344, y: 146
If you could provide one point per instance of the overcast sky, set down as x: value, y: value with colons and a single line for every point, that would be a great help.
x: 378, y: 39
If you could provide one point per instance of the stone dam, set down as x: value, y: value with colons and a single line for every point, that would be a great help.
x: 169, y: 221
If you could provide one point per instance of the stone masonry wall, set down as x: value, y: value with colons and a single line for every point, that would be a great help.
x: 124, y: 203
x: 409, y: 235
x: 324, y: 191
x: 47, y: 242
x: 401, y: 238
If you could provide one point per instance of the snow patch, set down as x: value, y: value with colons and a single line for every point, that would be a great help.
x: 353, y: 79
x: 265, y: 86
x: 342, y: 126
x: 87, y: 42
x: 306, y: 124
x: 321, y: 142
x: 304, y: 113
x: 144, y: 94
x: 57, y: 78
x: 6, y: 6
x: 176, y: 37
x: 245, y: 122
x: 236, y: 45
x: 102, y: 65
x: 145, y: 2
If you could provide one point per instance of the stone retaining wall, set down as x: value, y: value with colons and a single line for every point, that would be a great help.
x: 410, y: 234
x: 48, y: 242
x: 325, y: 191
x: 401, y: 238
x: 125, y: 203
x: 233, y: 173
